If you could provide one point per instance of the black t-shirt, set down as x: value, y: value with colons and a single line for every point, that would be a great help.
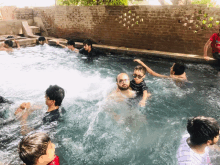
x: 92, y: 53
x: 139, y: 88
x: 51, y: 116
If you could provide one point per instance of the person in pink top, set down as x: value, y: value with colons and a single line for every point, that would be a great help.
x: 214, y: 41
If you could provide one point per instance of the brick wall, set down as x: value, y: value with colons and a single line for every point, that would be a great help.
x: 163, y: 28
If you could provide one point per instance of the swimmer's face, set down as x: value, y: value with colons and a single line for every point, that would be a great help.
x: 171, y: 69
x: 41, y: 42
x: 70, y: 47
x: 50, y: 154
x: 49, y: 102
x: 138, y: 76
x: 123, y: 82
x: 6, y: 45
x: 86, y: 47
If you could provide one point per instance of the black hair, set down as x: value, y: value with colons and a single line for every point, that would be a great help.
x: 141, y: 68
x: 41, y: 38
x: 71, y: 42
x: 10, y: 37
x: 202, y: 129
x: 87, y: 42
x: 31, y: 147
x: 9, y: 43
x: 179, y: 68
x: 56, y: 93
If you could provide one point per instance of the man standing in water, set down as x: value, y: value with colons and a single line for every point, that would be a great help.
x: 194, y: 147
x: 214, y: 41
x: 122, y: 92
x: 89, y: 51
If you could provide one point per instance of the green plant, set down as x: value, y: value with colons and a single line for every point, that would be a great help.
x: 203, y: 2
x: 92, y: 2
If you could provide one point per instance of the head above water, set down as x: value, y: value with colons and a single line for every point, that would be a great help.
x: 55, y: 93
x: 178, y: 68
x: 123, y: 81
x: 71, y: 42
x: 42, y: 40
x: 87, y: 44
x: 36, y: 148
x: 203, y: 130
x: 8, y: 43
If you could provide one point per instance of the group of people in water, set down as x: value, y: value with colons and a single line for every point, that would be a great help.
x: 37, y: 148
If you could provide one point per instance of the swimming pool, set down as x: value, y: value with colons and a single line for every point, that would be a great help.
x: 87, y: 134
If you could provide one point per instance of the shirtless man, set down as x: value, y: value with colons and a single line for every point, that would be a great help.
x: 123, y: 91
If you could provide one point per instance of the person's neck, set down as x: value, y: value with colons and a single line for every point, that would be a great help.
x: 124, y: 92
x: 199, y: 149
x: 72, y: 48
x: 52, y: 108
x: 89, y: 50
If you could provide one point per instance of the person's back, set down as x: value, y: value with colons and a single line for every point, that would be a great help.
x: 193, y: 150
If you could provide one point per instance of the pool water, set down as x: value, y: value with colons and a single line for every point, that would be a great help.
x: 88, y: 134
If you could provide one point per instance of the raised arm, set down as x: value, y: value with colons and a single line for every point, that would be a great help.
x: 208, y: 43
x: 58, y: 43
x: 149, y: 70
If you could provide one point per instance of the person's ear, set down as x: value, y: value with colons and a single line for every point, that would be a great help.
x: 40, y: 159
x: 53, y: 102
x: 209, y: 142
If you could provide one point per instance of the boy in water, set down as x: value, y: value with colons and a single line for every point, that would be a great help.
x: 138, y: 84
x: 177, y: 72
x: 7, y: 45
x: 37, y: 149
x: 70, y: 45
x: 194, y: 147
x: 54, y: 96
x: 42, y: 40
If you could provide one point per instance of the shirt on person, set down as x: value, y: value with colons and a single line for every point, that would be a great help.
x: 92, y: 53
x: 138, y: 88
x: 215, y: 42
x: 51, y: 116
x: 186, y: 156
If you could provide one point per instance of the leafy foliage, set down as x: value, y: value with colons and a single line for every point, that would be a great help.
x: 203, y: 2
x: 92, y: 2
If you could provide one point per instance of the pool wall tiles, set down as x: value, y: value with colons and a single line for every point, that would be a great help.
x: 178, y: 29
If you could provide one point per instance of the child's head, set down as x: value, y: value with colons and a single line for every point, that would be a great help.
x: 36, y: 148
x: 41, y: 40
x: 177, y: 69
x: 8, y: 43
x: 54, y: 95
x: 71, y: 44
x: 139, y: 74
x: 203, y: 130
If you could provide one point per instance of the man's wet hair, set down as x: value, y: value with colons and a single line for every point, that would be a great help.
x: 10, y: 37
x: 41, y: 38
x: 141, y: 68
x: 202, y: 129
x: 179, y: 68
x: 31, y: 147
x: 87, y: 42
x: 71, y: 42
x: 54, y: 92
x: 9, y: 43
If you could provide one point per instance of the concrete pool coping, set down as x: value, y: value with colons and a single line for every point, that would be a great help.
x: 152, y: 53
x: 23, y: 41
